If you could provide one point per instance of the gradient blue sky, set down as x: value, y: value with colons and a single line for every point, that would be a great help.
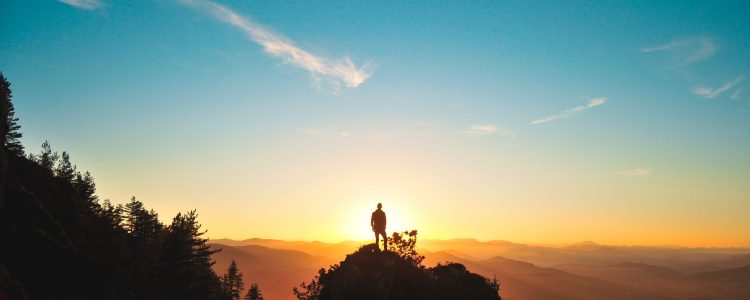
x: 528, y: 121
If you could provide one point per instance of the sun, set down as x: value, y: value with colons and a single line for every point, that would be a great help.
x: 357, y: 225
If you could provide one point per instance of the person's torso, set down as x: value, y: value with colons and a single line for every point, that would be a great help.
x: 378, y: 217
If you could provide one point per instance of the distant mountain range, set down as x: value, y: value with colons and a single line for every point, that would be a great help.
x: 580, y: 271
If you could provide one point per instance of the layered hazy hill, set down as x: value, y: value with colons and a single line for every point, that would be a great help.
x: 581, y: 271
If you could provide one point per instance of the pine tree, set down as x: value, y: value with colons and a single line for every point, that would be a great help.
x: 146, y: 232
x: 231, y: 282
x: 11, y: 128
x: 112, y: 214
x: 86, y: 189
x: 5, y: 95
x: 254, y: 293
x: 186, y: 272
x: 65, y: 170
x: 4, y: 103
x: 47, y: 159
x: 145, y: 243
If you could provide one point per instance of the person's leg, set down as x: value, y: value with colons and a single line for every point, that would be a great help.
x: 385, y: 240
x: 377, y: 239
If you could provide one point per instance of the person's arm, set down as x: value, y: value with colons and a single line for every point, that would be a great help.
x: 372, y: 221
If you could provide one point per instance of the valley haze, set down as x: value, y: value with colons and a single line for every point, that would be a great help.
x: 585, y: 270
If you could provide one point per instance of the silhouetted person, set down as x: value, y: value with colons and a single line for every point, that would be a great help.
x: 377, y: 221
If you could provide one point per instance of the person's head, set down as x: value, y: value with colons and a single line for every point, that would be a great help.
x: 380, y: 206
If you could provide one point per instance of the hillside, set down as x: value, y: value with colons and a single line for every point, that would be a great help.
x: 332, y: 251
x: 370, y: 273
x: 593, y: 274
x: 276, y: 271
x: 59, y: 241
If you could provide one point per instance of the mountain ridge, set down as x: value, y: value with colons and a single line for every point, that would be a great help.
x: 579, y: 278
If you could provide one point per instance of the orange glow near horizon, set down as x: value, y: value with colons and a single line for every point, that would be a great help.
x: 341, y: 219
x: 336, y: 207
x: 493, y: 192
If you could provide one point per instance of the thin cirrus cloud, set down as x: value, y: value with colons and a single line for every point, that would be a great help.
x: 634, y: 172
x: 486, y: 129
x: 687, y: 50
x: 736, y: 94
x: 83, y: 4
x: 710, y: 93
x: 572, y: 111
x: 337, y: 71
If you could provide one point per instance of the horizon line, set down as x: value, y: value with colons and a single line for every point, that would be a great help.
x: 553, y: 245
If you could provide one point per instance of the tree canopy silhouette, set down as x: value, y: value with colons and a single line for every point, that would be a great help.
x: 59, y: 241
x: 231, y: 282
x: 404, y: 245
x: 254, y: 293
x: 11, y: 128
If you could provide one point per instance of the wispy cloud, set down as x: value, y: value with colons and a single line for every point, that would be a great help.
x: 710, y: 93
x: 486, y: 129
x: 687, y: 50
x: 83, y: 4
x: 736, y: 94
x: 337, y: 71
x: 481, y: 129
x: 572, y: 111
x: 633, y: 172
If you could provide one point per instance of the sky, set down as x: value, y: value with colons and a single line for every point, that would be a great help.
x: 534, y: 122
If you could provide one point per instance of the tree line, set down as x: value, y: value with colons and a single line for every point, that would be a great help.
x: 59, y: 240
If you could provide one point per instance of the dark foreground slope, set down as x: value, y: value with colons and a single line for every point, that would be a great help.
x: 370, y: 273
x: 58, y: 241
x: 37, y: 253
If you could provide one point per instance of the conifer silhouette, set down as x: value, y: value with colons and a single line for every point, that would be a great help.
x: 231, y: 282
x: 59, y: 241
x: 11, y: 127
